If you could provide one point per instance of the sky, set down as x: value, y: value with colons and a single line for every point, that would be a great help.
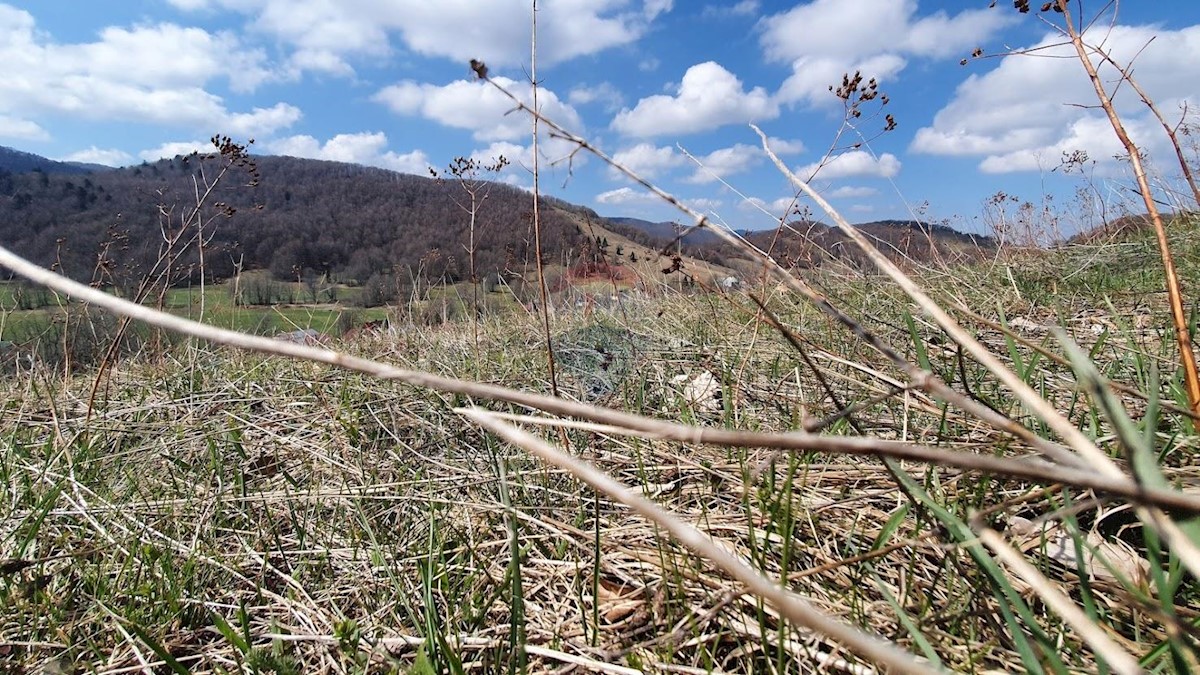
x: 667, y: 87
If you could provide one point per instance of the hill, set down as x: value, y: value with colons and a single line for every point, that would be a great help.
x: 17, y: 161
x: 811, y: 243
x: 657, y: 235
x: 294, y: 217
x: 302, y: 218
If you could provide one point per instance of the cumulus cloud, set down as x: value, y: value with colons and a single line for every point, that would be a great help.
x: 366, y: 148
x: 854, y: 163
x: 812, y: 75
x: 1020, y: 116
x: 123, y: 75
x: 775, y: 208
x: 868, y: 27
x: 15, y: 127
x: 476, y: 106
x: 604, y: 93
x: 823, y: 39
x: 173, y: 148
x: 708, y: 97
x: 784, y: 147
x: 726, y: 162
x: 104, y: 156
x: 648, y: 160
x: 851, y: 192
x: 703, y: 204
x: 626, y: 195
x: 520, y: 156
x: 328, y: 34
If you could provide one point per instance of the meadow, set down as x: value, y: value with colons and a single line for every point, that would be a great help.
x: 215, y: 510
x: 870, y: 465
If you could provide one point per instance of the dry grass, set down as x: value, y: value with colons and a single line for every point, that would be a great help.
x: 249, y: 514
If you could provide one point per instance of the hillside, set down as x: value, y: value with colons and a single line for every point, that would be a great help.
x: 17, y: 161
x: 810, y: 244
x: 301, y: 218
x: 290, y: 216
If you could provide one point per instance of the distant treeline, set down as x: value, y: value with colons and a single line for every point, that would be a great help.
x: 807, y: 244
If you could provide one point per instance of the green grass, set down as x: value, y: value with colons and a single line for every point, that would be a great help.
x: 228, y: 512
x: 22, y: 325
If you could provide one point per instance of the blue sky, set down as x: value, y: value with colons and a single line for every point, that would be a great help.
x: 386, y: 83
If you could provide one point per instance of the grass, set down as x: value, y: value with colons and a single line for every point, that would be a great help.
x: 229, y: 512
x: 26, y: 325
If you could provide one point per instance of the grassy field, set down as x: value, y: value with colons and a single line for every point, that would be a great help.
x: 219, y: 511
x: 23, y: 325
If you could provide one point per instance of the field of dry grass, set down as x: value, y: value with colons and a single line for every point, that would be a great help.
x: 225, y: 511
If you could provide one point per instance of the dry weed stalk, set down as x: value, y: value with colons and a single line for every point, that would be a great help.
x: 1073, y: 31
x: 543, y: 290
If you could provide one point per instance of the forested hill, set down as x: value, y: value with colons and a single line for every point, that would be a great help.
x: 295, y: 216
x: 19, y: 162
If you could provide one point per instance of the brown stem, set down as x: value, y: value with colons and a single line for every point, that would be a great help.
x: 1183, y: 338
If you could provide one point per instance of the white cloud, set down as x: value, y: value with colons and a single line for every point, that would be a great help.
x: 95, y: 155
x: 626, y: 195
x: 703, y: 204
x: 823, y: 39
x: 743, y: 8
x: 604, y: 93
x: 262, y: 120
x: 1093, y: 134
x: 520, y: 156
x: 189, y: 5
x: 154, y: 74
x: 171, y: 149
x: 327, y: 34
x: 708, y: 97
x: 853, y: 163
x: 647, y: 160
x: 726, y: 162
x: 1023, y: 114
x: 516, y: 155
x: 477, y: 106
x: 14, y: 127
x: 855, y: 30
x: 812, y: 75
x: 776, y: 207
x: 784, y: 147
x: 850, y: 192
x: 362, y: 148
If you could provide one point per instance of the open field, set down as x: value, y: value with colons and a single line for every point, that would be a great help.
x: 213, y: 306
x: 220, y: 511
